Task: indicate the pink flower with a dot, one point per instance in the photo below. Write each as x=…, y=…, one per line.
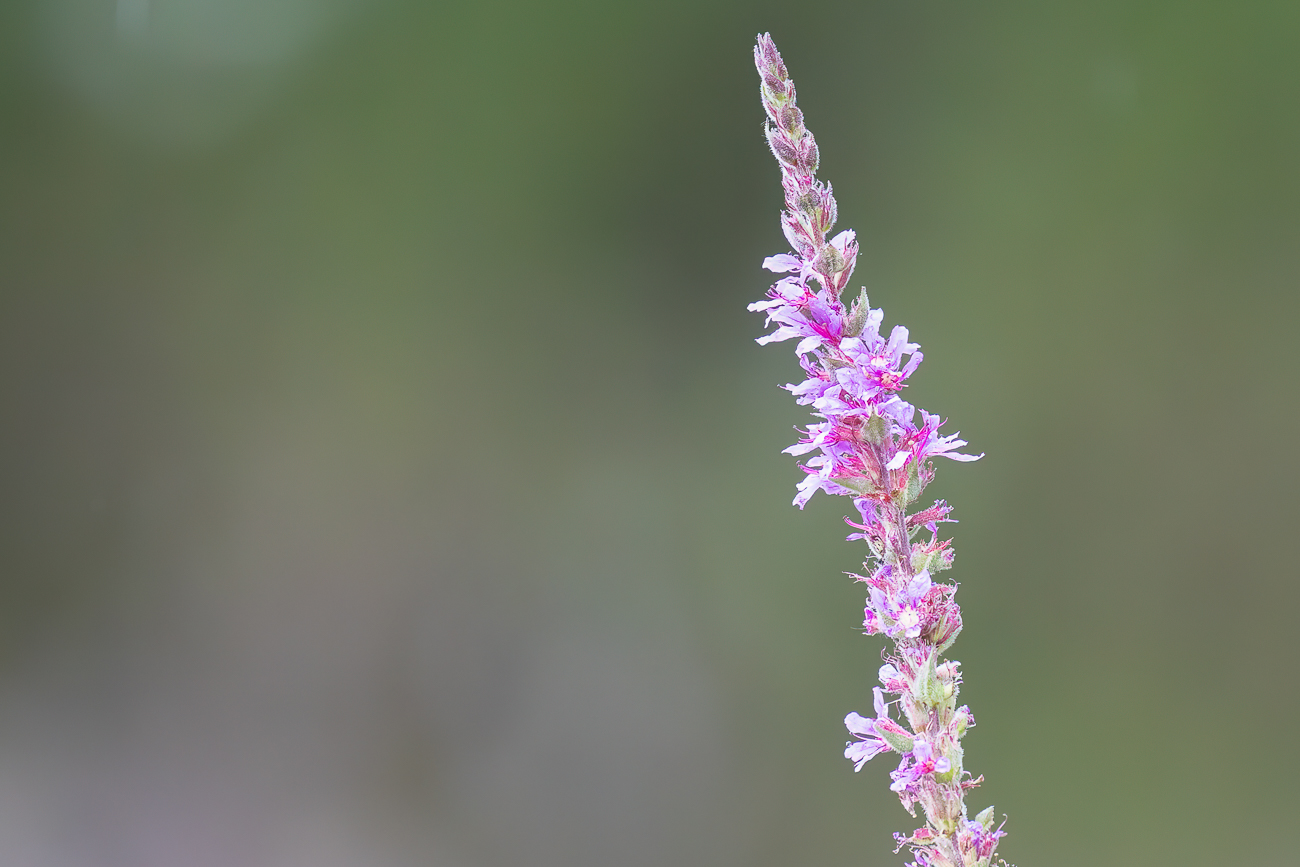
x=869, y=743
x=917, y=764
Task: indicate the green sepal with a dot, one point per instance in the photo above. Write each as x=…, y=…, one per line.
x=857, y=318
x=936, y=695
x=858, y=486
x=962, y=721
x=951, y=638
x=986, y=817
x=913, y=489
x=900, y=743
x=876, y=430
x=953, y=772
x=927, y=689
x=931, y=561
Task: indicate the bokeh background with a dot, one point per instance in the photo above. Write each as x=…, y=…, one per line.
x=389, y=476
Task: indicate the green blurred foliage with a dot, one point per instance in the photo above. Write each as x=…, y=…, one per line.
x=363, y=363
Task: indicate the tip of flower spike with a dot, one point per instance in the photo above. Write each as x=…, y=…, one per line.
x=765, y=50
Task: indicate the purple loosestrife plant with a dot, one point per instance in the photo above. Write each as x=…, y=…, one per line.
x=870, y=446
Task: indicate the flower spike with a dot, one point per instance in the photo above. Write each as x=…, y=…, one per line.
x=866, y=443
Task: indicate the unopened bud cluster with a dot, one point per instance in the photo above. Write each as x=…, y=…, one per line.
x=870, y=446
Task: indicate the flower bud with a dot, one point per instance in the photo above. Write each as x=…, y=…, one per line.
x=794, y=233
x=829, y=262
x=765, y=54
x=810, y=157
x=790, y=118
x=782, y=148
x=829, y=210
x=946, y=631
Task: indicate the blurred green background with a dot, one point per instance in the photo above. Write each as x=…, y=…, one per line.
x=389, y=475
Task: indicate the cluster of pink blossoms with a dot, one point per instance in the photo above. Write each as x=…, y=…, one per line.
x=869, y=446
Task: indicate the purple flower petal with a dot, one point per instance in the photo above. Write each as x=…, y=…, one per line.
x=782, y=263
x=878, y=700
x=861, y=752
x=808, y=344
x=857, y=724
